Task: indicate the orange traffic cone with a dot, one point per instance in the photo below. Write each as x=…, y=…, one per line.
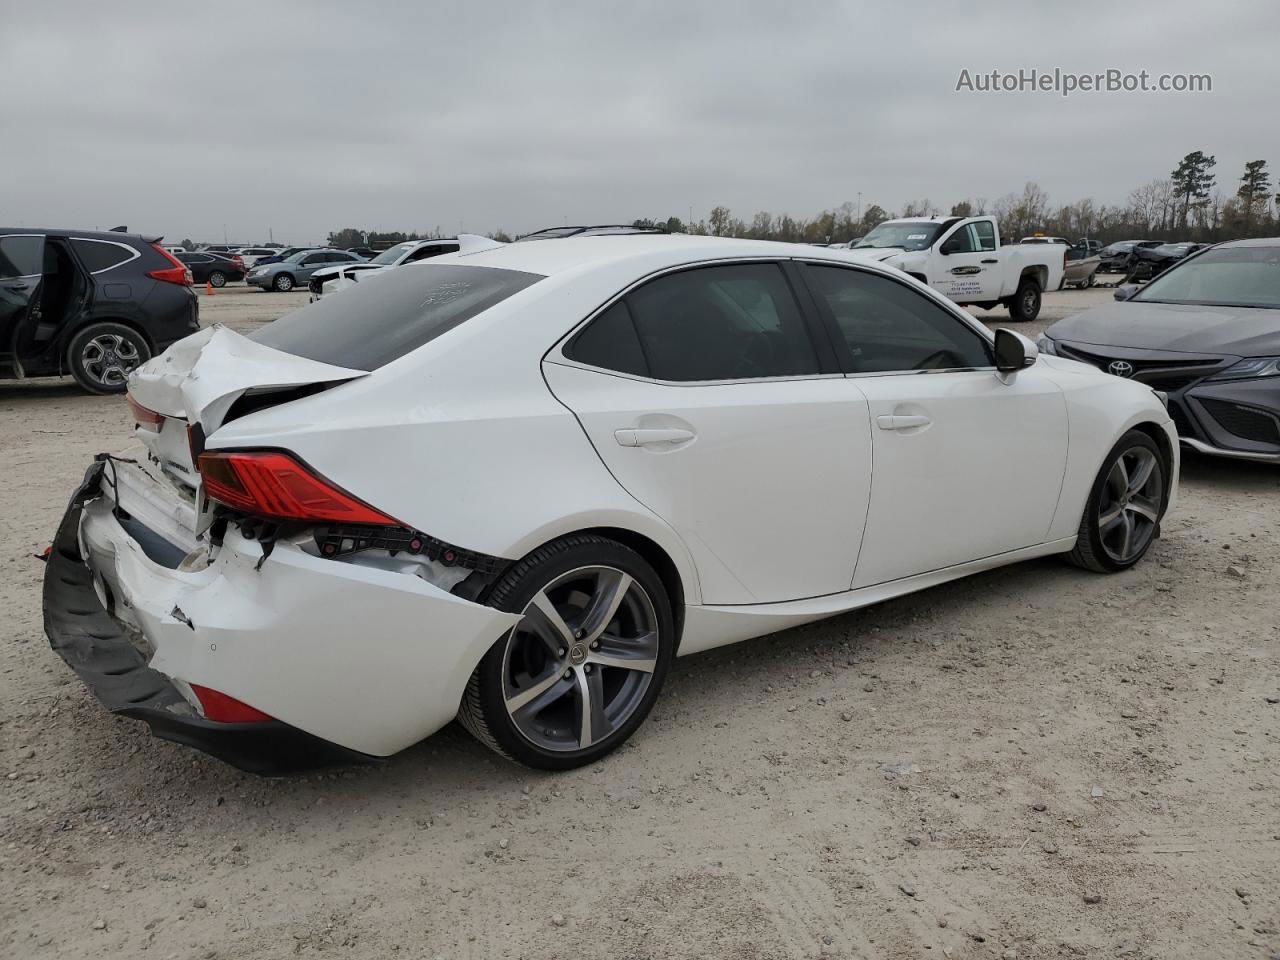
x=208, y=288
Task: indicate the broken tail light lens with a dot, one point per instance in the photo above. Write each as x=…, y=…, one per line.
x=274, y=485
x=221, y=708
x=142, y=416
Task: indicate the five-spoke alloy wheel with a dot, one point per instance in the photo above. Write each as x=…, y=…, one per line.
x=581, y=669
x=1122, y=516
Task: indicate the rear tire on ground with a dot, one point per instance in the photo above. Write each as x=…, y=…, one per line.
x=102, y=355
x=1122, y=515
x=1025, y=305
x=218, y=278
x=580, y=672
x=283, y=282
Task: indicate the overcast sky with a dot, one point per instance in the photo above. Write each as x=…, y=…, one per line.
x=304, y=117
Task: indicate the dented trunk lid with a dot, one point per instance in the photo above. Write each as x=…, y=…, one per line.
x=195, y=384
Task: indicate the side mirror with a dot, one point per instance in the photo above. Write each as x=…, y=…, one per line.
x=1126, y=291
x=1014, y=351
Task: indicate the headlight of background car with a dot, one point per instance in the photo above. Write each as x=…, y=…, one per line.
x=1250, y=368
x=1045, y=346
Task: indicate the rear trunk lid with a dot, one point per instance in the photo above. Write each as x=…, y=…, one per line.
x=198, y=379
x=194, y=385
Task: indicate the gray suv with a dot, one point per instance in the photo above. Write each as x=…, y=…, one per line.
x=297, y=269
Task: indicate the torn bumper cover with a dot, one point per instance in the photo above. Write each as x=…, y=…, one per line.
x=352, y=662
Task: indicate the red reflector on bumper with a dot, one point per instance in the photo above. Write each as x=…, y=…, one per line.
x=223, y=709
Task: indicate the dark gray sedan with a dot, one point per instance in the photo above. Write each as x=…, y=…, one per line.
x=1207, y=333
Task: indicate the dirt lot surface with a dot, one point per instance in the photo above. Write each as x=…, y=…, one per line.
x=1036, y=762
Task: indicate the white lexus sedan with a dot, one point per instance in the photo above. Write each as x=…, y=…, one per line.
x=512, y=486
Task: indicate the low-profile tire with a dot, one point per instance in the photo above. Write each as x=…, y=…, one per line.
x=282, y=282
x=1122, y=515
x=218, y=278
x=596, y=640
x=1025, y=305
x=102, y=355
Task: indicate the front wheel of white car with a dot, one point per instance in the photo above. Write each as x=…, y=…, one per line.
x=1122, y=515
x=581, y=670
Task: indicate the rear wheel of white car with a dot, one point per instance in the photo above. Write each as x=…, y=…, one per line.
x=218, y=278
x=1122, y=516
x=283, y=282
x=580, y=672
x=1025, y=305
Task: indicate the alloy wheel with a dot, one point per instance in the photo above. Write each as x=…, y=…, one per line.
x=108, y=358
x=1129, y=507
x=579, y=663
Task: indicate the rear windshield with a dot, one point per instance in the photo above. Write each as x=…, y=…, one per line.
x=387, y=316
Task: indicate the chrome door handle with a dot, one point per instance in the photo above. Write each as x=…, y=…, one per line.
x=641, y=436
x=901, y=422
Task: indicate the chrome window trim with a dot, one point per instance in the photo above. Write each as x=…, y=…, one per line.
x=134, y=253
x=26, y=276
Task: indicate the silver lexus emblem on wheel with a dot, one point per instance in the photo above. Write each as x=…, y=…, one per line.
x=1120, y=368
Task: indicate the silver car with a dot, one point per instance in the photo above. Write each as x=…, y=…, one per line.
x=297, y=269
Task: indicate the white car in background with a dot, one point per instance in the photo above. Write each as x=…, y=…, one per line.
x=962, y=258
x=333, y=279
x=513, y=485
x=251, y=255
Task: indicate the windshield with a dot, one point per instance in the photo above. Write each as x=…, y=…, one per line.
x=909, y=236
x=1227, y=276
x=1124, y=247
x=374, y=323
x=392, y=254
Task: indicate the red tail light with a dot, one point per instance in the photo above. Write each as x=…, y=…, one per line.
x=275, y=485
x=220, y=708
x=142, y=416
x=179, y=273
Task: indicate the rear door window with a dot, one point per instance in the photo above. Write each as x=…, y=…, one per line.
x=732, y=322
x=374, y=323
x=101, y=255
x=21, y=256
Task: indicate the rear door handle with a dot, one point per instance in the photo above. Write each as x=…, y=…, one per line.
x=991, y=261
x=901, y=422
x=642, y=436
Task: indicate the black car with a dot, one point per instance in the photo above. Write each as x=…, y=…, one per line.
x=1147, y=262
x=215, y=268
x=92, y=305
x=1115, y=256
x=1206, y=333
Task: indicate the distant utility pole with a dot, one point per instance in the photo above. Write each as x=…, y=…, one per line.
x=224, y=233
x=859, y=206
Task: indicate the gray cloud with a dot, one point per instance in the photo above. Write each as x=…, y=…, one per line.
x=302, y=117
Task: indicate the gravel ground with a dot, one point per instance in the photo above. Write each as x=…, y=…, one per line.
x=1035, y=762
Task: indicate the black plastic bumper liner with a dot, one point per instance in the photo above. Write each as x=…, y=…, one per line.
x=100, y=650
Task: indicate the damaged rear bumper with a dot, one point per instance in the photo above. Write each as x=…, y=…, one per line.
x=353, y=662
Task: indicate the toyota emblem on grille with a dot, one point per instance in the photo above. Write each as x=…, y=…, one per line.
x=1120, y=368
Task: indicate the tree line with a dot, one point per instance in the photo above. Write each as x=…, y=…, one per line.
x=1185, y=205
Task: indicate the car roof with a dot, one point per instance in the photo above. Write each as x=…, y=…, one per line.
x=86, y=234
x=552, y=256
x=1255, y=242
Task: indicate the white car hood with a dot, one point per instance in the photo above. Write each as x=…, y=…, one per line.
x=201, y=376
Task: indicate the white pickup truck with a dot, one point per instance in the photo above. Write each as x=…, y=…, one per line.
x=961, y=258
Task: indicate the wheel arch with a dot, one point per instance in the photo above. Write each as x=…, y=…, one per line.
x=673, y=575
x=1161, y=438
x=71, y=332
x=1037, y=272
